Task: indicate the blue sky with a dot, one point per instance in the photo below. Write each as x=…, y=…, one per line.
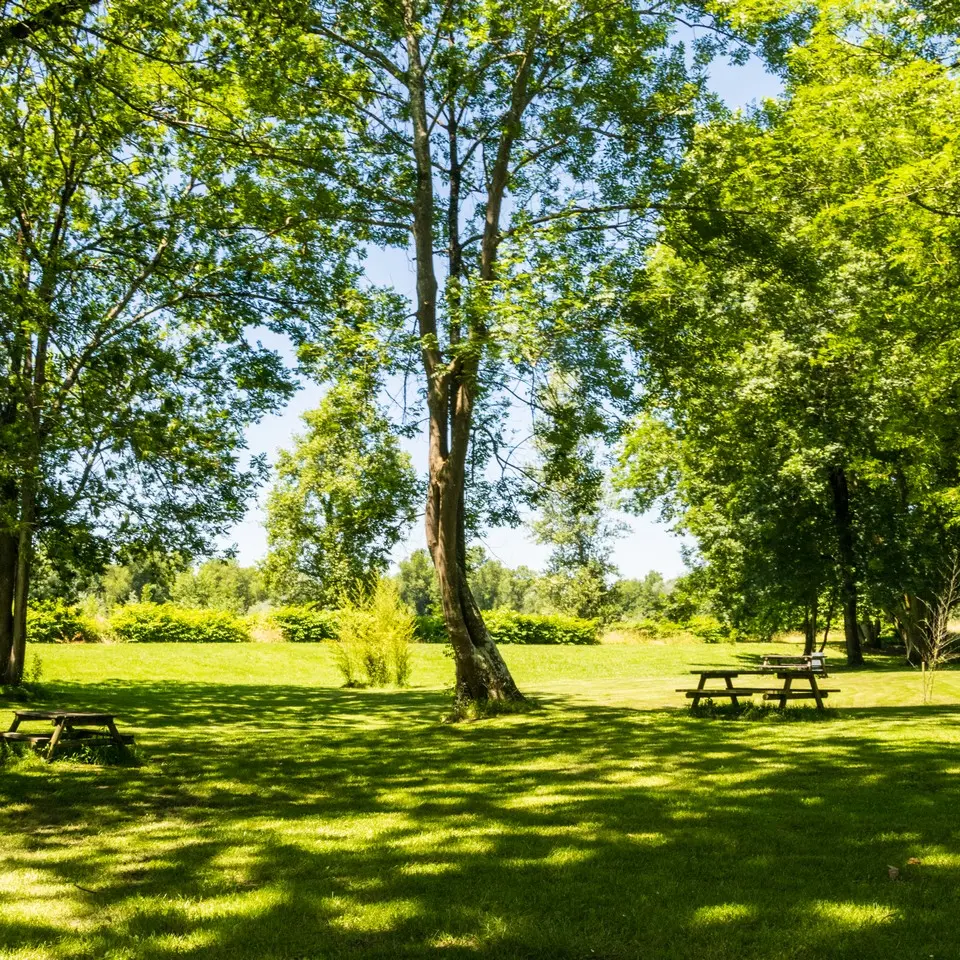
x=647, y=544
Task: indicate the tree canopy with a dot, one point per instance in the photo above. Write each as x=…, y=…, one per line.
x=137, y=264
x=344, y=496
x=799, y=338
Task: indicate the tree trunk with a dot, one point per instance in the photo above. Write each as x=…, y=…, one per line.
x=12, y=666
x=8, y=581
x=831, y=609
x=912, y=617
x=482, y=674
x=870, y=633
x=810, y=627
x=848, y=565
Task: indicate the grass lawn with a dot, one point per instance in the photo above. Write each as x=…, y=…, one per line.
x=276, y=815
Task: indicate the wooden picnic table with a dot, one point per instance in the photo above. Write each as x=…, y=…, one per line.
x=69, y=727
x=786, y=669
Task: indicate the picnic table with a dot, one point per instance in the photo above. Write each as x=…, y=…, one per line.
x=70, y=727
x=785, y=668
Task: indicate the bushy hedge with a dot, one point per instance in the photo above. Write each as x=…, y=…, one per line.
x=304, y=624
x=507, y=626
x=166, y=623
x=650, y=629
x=702, y=626
x=709, y=629
x=58, y=622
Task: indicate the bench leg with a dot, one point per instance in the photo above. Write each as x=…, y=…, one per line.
x=117, y=739
x=733, y=700
x=786, y=689
x=55, y=739
x=816, y=692
x=14, y=725
x=700, y=686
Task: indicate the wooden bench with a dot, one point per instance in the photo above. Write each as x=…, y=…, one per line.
x=804, y=663
x=702, y=691
x=807, y=667
x=70, y=727
x=786, y=669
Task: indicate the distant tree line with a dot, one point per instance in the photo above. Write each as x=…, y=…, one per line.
x=223, y=584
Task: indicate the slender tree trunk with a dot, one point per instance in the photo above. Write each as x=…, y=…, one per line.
x=8, y=581
x=831, y=609
x=848, y=565
x=12, y=672
x=482, y=673
x=810, y=627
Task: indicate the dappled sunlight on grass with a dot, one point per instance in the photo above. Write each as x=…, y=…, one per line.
x=722, y=913
x=299, y=820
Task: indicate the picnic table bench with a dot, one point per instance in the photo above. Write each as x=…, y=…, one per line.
x=785, y=668
x=70, y=727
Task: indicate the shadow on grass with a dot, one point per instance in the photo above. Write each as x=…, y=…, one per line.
x=294, y=822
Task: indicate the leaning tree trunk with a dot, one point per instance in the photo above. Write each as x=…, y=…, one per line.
x=848, y=565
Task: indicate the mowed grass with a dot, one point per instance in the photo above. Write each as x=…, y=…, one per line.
x=276, y=815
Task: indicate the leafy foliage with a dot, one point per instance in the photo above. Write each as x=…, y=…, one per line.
x=343, y=498
x=139, y=263
x=59, y=622
x=166, y=623
x=417, y=582
x=374, y=633
x=305, y=624
x=219, y=585
x=507, y=626
x=798, y=331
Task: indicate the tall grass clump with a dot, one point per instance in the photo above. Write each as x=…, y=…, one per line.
x=375, y=630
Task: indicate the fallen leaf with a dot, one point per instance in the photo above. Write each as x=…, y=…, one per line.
x=914, y=861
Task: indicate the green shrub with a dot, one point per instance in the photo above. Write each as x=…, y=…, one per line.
x=430, y=628
x=166, y=623
x=305, y=625
x=58, y=622
x=374, y=634
x=508, y=626
x=708, y=628
x=651, y=629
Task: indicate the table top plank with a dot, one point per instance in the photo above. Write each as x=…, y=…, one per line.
x=83, y=715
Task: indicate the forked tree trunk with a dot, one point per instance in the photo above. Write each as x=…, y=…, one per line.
x=848, y=565
x=452, y=382
x=481, y=672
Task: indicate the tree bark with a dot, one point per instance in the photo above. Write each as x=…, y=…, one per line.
x=848, y=565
